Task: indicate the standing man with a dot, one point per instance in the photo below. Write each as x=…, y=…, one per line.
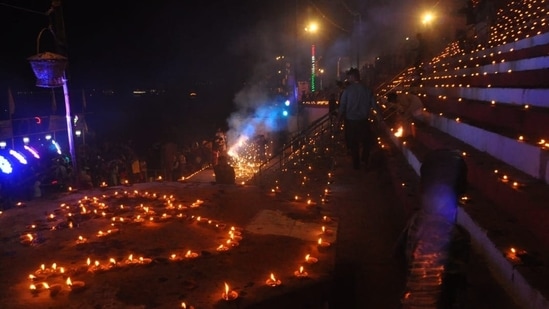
x=356, y=103
x=219, y=146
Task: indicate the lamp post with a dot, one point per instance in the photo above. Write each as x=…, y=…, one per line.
x=321, y=74
x=313, y=28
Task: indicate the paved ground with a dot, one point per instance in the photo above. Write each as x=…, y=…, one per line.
x=373, y=208
x=366, y=211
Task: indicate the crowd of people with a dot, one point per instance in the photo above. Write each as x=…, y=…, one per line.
x=109, y=164
x=119, y=164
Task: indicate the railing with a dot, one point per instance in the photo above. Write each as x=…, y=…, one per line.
x=316, y=134
x=382, y=85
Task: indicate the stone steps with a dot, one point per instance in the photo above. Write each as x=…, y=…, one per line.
x=496, y=216
x=491, y=104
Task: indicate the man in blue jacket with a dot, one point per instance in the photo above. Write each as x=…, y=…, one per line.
x=354, y=108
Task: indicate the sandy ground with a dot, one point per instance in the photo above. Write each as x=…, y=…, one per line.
x=160, y=222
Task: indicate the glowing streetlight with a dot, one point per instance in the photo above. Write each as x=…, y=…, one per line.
x=312, y=27
x=427, y=18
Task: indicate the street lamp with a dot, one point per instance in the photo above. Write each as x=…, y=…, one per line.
x=321, y=73
x=427, y=18
x=313, y=28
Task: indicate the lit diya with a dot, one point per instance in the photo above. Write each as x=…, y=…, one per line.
x=81, y=240
x=191, y=255
x=131, y=260
x=232, y=243
x=184, y=306
x=323, y=244
x=201, y=219
x=165, y=216
x=326, y=231
x=310, y=259
x=514, y=255
x=175, y=257
x=56, y=270
x=229, y=294
x=75, y=286
x=108, y=232
x=27, y=239
x=234, y=237
x=112, y=263
x=235, y=231
x=42, y=270
x=31, y=227
x=36, y=288
x=301, y=273
x=34, y=278
x=272, y=281
x=221, y=248
x=144, y=261
x=95, y=267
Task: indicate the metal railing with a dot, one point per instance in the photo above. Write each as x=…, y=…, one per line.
x=317, y=134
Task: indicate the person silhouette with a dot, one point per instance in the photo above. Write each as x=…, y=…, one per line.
x=224, y=173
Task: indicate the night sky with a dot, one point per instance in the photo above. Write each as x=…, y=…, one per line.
x=139, y=44
x=177, y=45
x=174, y=42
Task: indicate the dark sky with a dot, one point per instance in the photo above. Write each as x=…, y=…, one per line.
x=176, y=44
x=175, y=41
x=168, y=41
x=147, y=42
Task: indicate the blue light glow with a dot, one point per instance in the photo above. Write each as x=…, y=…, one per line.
x=5, y=166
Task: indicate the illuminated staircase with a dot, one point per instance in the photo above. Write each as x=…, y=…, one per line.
x=491, y=102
